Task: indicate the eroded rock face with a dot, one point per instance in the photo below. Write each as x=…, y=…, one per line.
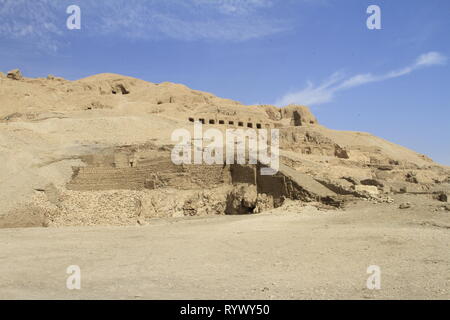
x=298, y=115
x=292, y=115
x=264, y=202
x=116, y=207
x=272, y=112
x=119, y=88
x=340, y=152
x=15, y=74
x=204, y=204
x=242, y=200
x=311, y=143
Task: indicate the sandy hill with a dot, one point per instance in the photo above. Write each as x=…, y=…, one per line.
x=49, y=126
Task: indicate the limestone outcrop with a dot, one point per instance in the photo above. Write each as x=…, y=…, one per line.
x=298, y=115
x=15, y=74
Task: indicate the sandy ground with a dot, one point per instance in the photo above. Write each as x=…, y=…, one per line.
x=286, y=254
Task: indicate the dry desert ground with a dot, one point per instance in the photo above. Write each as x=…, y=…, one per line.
x=289, y=253
x=87, y=179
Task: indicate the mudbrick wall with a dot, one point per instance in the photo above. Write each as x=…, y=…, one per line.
x=160, y=173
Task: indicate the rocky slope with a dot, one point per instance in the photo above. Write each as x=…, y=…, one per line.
x=50, y=125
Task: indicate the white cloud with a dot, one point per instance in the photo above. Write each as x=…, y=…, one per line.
x=236, y=6
x=42, y=22
x=431, y=58
x=325, y=92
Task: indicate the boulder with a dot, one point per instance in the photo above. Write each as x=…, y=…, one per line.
x=15, y=74
x=441, y=197
x=405, y=205
x=371, y=190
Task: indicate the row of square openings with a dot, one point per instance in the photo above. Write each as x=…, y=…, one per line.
x=231, y=123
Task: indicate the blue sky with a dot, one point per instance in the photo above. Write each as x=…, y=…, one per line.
x=393, y=82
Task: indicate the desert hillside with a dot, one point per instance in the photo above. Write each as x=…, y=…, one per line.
x=97, y=151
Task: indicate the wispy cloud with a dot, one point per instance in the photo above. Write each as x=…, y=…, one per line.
x=188, y=20
x=42, y=22
x=325, y=92
x=236, y=6
x=29, y=21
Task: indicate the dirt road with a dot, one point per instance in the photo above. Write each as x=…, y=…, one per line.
x=290, y=254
